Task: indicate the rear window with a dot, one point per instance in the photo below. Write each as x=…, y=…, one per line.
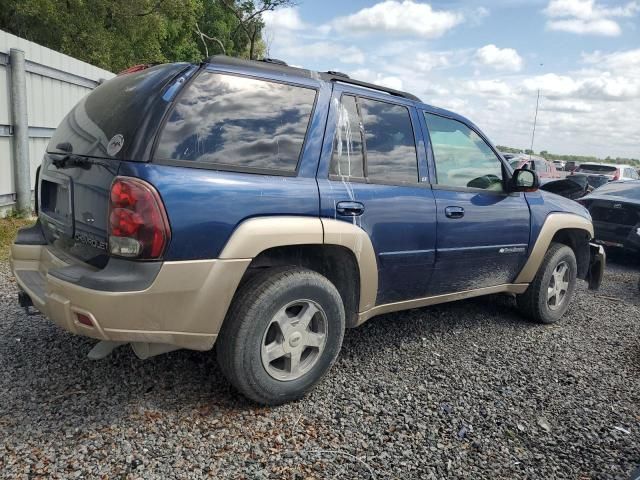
x=238, y=123
x=389, y=141
x=630, y=190
x=114, y=109
x=606, y=169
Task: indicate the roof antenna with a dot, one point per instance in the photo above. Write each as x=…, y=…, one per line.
x=535, y=119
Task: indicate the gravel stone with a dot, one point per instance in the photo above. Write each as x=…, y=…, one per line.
x=451, y=391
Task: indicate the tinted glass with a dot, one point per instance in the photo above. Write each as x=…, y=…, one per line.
x=117, y=107
x=347, y=157
x=629, y=190
x=389, y=141
x=591, y=168
x=462, y=158
x=237, y=121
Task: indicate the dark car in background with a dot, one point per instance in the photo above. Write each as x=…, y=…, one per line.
x=615, y=210
x=570, y=166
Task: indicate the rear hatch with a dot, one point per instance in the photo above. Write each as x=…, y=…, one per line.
x=608, y=171
x=108, y=126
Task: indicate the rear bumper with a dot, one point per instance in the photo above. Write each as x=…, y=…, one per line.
x=597, y=263
x=183, y=304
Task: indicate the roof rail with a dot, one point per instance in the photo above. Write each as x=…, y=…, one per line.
x=340, y=78
x=331, y=76
x=338, y=74
x=274, y=60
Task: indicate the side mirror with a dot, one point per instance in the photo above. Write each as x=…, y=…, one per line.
x=524, y=180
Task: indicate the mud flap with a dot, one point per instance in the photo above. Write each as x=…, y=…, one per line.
x=596, y=266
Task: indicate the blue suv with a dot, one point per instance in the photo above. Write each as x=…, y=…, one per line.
x=264, y=209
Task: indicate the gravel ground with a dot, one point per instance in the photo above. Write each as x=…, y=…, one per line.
x=465, y=390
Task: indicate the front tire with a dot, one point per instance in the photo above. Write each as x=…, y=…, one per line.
x=549, y=295
x=283, y=332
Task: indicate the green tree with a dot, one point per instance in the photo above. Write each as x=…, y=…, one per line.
x=115, y=34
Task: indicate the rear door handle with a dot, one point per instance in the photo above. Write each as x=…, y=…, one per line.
x=454, y=212
x=350, y=209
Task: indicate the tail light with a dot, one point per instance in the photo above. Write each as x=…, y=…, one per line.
x=138, y=225
x=616, y=176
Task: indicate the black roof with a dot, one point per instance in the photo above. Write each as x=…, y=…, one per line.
x=278, y=66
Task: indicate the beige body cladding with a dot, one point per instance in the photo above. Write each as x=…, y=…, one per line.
x=187, y=302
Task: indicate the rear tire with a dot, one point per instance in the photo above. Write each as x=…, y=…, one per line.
x=549, y=295
x=283, y=332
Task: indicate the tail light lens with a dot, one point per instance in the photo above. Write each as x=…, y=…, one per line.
x=138, y=225
x=616, y=176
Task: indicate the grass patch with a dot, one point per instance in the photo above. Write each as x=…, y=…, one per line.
x=8, y=228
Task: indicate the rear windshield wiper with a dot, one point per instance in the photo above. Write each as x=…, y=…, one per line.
x=71, y=160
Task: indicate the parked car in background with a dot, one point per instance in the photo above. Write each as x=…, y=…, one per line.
x=545, y=169
x=265, y=208
x=570, y=166
x=615, y=210
x=559, y=164
x=610, y=171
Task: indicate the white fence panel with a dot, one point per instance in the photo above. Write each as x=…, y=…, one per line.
x=55, y=83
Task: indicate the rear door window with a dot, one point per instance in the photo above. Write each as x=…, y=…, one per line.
x=348, y=154
x=389, y=142
x=385, y=130
x=238, y=123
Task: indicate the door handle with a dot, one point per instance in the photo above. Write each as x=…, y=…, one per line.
x=350, y=209
x=454, y=212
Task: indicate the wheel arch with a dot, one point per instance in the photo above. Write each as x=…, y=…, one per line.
x=570, y=229
x=339, y=250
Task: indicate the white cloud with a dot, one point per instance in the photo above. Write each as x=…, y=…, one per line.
x=624, y=62
x=587, y=16
x=490, y=87
x=566, y=106
x=499, y=58
x=283, y=18
x=321, y=50
x=605, y=86
x=585, y=110
x=370, y=76
x=407, y=18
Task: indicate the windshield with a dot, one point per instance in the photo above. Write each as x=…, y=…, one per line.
x=630, y=190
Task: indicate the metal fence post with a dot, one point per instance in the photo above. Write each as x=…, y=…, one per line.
x=20, y=131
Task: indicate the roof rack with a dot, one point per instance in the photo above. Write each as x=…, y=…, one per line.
x=275, y=61
x=341, y=78
x=274, y=64
x=338, y=74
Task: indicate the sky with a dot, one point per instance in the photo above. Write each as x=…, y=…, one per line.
x=487, y=60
